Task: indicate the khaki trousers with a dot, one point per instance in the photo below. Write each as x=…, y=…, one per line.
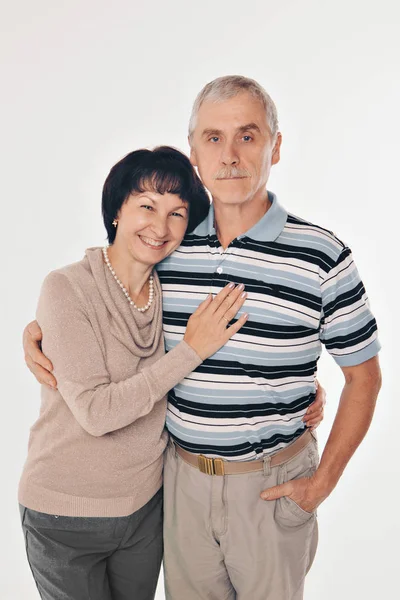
x=222, y=542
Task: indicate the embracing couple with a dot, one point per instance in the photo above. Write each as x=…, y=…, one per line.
x=185, y=353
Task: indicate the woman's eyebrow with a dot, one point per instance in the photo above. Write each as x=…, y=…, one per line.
x=144, y=195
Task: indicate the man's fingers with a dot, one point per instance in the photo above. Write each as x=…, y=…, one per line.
x=34, y=331
x=31, y=339
x=277, y=491
x=41, y=374
x=37, y=356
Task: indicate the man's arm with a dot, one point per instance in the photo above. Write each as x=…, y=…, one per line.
x=352, y=421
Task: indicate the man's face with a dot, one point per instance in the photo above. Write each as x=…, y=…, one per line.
x=233, y=149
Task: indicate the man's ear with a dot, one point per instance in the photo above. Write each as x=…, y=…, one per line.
x=192, y=155
x=276, y=152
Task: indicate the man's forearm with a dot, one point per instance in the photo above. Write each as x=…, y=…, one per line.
x=353, y=418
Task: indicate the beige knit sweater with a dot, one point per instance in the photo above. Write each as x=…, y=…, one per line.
x=97, y=446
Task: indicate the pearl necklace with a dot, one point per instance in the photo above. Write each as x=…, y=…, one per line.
x=126, y=293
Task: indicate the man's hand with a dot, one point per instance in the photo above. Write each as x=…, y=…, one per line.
x=304, y=491
x=37, y=362
x=315, y=412
x=354, y=415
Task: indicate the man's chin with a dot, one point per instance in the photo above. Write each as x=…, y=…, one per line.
x=231, y=199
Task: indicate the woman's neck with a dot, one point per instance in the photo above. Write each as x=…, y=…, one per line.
x=132, y=274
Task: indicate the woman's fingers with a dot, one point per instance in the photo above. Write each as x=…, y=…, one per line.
x=313, y=423
x=232, y=329
x=222, y=298
x=225, y=309
x=203, y=305
x=316, y=409
x=233, y=310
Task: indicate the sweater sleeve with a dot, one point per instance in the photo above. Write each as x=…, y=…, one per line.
x=69, y=340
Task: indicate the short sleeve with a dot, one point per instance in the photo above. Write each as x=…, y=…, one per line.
x=348, y=327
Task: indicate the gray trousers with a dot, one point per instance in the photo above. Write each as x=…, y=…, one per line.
x=95, y=558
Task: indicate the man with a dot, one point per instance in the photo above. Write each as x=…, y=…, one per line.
x=245, y=526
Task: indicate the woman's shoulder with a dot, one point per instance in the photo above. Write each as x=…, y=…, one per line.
x=70, y=279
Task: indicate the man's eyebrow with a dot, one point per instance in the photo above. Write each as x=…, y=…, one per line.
x=248, y=127
x=207, y=132
x=241, y=129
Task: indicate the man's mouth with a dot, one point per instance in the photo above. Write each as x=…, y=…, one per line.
x=156, y=244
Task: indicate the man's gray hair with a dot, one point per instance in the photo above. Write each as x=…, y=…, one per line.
x=224, y=88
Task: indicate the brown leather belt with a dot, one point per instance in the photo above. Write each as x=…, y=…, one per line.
x=218, y=466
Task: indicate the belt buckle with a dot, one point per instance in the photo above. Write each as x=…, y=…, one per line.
x=211, y=466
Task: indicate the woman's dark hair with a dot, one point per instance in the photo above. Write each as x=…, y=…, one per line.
x=164, y=170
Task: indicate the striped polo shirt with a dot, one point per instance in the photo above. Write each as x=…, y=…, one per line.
x=304, y=291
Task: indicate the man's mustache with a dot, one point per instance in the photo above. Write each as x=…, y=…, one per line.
x=231, y=173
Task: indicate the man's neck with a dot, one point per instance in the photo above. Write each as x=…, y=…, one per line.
x=232, y=220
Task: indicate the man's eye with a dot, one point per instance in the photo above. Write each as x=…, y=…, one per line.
x=247, y=138
x=214, y=139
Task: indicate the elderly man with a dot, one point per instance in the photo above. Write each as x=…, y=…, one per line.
x=242, y=475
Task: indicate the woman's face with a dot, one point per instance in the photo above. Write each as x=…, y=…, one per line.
x=151, y=226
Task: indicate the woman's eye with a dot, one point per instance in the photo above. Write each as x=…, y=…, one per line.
x=146, y=206
x=176, y=214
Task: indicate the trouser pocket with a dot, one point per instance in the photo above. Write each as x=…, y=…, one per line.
x=287, y=512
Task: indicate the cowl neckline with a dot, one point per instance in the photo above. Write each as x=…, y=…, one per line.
x=139, y=332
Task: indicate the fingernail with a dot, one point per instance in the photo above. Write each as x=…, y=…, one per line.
x=246, y=316
x=265, y=495
x=244, y=295
x=241, y=286
x=231, y=285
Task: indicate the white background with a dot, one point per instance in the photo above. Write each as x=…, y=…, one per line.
x=84, y=82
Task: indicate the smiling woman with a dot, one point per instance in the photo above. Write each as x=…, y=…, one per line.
x=161, y=171
x=150, y=199
x=90, y=493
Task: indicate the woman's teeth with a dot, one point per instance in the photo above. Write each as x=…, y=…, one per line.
x=151, y=242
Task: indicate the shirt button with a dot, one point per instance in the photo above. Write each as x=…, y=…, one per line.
x=219, y=270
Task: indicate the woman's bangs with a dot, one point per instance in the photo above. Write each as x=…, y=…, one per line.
x=161, y=181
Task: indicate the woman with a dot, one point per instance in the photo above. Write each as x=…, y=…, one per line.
x=90, y=493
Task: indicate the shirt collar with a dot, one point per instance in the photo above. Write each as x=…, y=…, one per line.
x=267, y=229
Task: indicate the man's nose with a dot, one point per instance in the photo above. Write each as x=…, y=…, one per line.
x=229, y=154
